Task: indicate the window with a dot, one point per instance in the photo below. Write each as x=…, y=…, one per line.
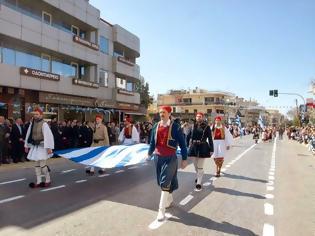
x=82, y=34
x=104, y=45
x=75, y=30
x=209, y=111
x=46, y=63
x=121, y=83
x=186, y=111
x=195, y=111
x=46, y=17
x=8, y=56
x=129, y=86
x=75, y=68
x=103, y=77
x=82, y=71
x=187, y=100
x=27, y=60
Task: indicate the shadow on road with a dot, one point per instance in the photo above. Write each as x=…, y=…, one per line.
x=192, y=219
x=226, y=175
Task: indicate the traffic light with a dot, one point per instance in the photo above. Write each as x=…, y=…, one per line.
x=270, y=92
x=275, y=93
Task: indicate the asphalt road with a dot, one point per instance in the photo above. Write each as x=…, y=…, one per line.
x=267, y=189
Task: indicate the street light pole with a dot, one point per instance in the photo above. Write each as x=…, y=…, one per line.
x=299, y=95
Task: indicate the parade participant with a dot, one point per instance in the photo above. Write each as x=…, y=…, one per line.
x=222, y=140
x=256, y=134
x=200, y=146
x=129, y=134
x=40, y=140
x=166, y=136
x=100, y=138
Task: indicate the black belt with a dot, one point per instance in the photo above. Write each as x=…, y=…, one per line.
x=198, y=141
x=98, y=140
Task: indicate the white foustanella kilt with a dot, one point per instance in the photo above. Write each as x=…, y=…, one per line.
x=38, y=153
x=219, y=148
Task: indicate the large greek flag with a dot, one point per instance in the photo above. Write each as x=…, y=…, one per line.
x=107, y=157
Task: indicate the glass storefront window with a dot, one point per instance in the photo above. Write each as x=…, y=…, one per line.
x=8, y=56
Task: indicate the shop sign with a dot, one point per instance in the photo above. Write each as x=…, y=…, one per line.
x=104, y=103
x=39, y=74
x=85, y=83
x=128, y=106
x=65, y=99
x=86, y=43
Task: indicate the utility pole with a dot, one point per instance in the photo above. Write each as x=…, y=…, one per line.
x=297, y=112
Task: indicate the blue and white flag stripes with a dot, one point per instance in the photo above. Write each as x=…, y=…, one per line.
x=107, y=157
x=261, y=122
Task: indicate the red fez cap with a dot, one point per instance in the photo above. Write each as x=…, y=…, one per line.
x=128, y=118
x=218, y=118
x=40, y=111
x=166, y=108
x=99, y=116
x=200, y=114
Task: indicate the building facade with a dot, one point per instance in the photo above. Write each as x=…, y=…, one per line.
x=60, y=55
x=186, y=103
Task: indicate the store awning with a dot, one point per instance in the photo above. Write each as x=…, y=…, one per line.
x=134, y=113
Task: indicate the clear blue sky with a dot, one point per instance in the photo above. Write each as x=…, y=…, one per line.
x=243, y=46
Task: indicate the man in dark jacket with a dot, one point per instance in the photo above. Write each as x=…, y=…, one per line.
x=200, y=146
x=4, y=134
x=17, y=140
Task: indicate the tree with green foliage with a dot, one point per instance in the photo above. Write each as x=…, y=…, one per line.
x=142, y=88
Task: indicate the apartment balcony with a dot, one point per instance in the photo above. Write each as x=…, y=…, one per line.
x=30, y=28
x=123, y=67
x=79, y=9
x=126, y=39
x=125, y=96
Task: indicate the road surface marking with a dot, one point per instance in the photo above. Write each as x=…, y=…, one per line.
x=270, y=182
x=54, y=188
x=104, y=175
x=271, y=177
x=268, y=209
x=156, y=224
x=11, y=199
x=227, y=166
x=67, y=171
x=206, y=184
x=268, y=230
x=224, y=169
x=81, y=181
x=119, y=171
x=12, y=181
x=269, y=196
x=270, y=188
x=271, y=173
x=186, y=200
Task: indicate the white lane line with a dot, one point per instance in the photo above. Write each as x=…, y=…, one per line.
x=224, y=169
x=12, y=181
x=270, y=188
x=227, y=166
x=271, y=177
x=268, y=230
x=54, y=188
x=270, y=183
x=119, y=171
x=81, y=181
x=268, y=209
x=156, y=224
x=271, y=173
x=67, y=171
x=104, y=175
x=206, y=184
x=186, y=200
x=269, y=196
x=11, y=199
